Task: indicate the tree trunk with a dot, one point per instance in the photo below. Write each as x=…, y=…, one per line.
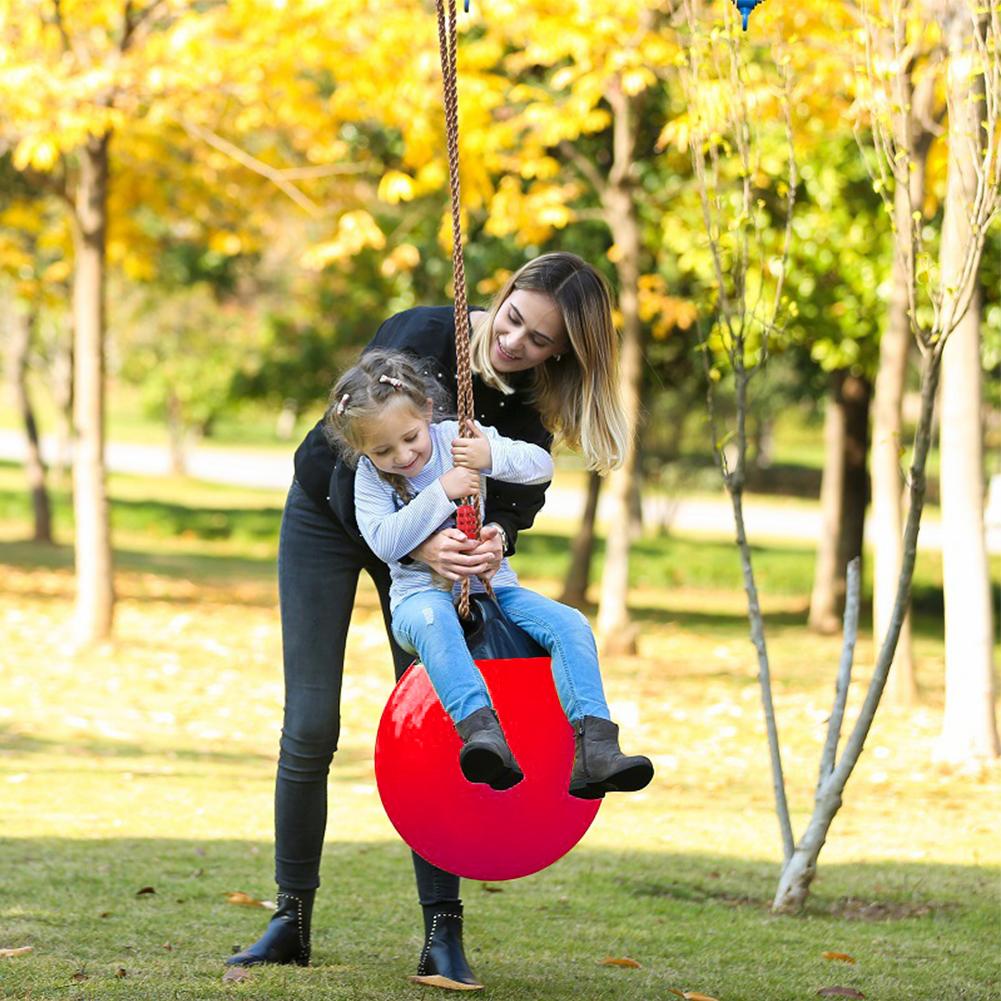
x=969, y=730
x=176, y=434
x=582, y=549
x=856, y=397
x=800, y=866
x=62, y=393
x=843, y=496
x=826, y=597
x=616, y=634
x=34, y=467
x=887, y=481
x=92, y=537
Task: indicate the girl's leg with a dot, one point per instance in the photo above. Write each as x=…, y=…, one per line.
x=567, y=635
x=428, y=624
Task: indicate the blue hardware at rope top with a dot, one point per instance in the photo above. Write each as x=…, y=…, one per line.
x=745, y=7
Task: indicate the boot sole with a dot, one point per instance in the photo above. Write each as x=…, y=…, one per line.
x=629, y=780
x=437, y=980
x=481, y=765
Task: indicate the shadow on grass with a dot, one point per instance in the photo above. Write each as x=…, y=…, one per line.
x=694, y=921
x=201, y=567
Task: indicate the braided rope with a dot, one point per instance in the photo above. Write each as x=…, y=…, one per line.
x=447, y=47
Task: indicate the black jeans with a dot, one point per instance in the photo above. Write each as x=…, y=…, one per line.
x=318, y=567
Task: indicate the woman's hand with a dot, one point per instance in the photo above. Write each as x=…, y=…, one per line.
x=460, y=482
x=472, y=452
x=491, y=548
x=451, y=554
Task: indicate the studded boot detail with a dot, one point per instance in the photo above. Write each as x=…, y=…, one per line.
x=443, y=960
x=286, y=939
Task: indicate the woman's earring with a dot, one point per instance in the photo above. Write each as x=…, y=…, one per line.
x=557, y=357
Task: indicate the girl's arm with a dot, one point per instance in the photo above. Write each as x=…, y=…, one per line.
x=392, y=533
x=500, y=458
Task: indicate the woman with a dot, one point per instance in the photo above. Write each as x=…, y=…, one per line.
x=545, y=363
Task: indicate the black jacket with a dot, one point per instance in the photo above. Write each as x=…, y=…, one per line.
x=428, y=333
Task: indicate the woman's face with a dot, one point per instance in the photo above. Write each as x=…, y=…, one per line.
x=528, y=329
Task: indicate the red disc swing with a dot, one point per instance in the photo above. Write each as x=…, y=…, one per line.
x=472, y=830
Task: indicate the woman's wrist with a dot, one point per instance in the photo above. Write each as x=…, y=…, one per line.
x=502, y=534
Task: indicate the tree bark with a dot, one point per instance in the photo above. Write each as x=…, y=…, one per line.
x=856, y=398
x=176, y=434
x=969, y=729
x=887, y=481
x=825, y=599
x=887, y=437
x=34, y=467
x=92, y=537
x=582, y=549
x=616, y=634
x=843, y=496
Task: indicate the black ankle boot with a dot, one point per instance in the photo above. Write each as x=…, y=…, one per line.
x=485, y=756
x=286, y=939
x=443, y=961
x=599, y=766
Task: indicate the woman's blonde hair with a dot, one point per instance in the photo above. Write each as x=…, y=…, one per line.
x=578, y=396
x=363, y=392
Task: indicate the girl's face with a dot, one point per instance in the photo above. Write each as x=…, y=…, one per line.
x=528, y=329
x=398, y=441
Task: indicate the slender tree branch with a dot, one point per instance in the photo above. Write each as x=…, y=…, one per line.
x=850, y=635
x=258, y=166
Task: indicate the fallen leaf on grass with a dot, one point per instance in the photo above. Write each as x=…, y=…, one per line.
x=235, y=975
x=246, y=900
x=691, y=995
x=121, y=972
x=145, y=890
x=620, y=961
x=841, y=956
x=839, y=992
x=80, y=976
x=487, y=888
x=7, y=953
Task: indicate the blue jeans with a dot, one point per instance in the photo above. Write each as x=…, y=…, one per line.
x=427, y=624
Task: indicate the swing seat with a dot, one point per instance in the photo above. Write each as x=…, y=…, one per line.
x=468, y=828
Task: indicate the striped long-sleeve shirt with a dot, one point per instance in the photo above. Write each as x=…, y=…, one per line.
x=392, y=529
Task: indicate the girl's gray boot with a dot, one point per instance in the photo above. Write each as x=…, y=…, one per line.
x=599, y=766
x=485, y=756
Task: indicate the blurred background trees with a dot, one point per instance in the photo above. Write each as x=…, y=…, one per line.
x=205, y=209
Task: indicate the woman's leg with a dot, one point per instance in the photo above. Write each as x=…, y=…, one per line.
x=318, y=566
x=427, y=624
x=567, y=635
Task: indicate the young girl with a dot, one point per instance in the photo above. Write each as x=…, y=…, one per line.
x=410, y=474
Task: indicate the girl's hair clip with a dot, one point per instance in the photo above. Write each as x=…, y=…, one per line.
x=395, y=383
x=342, y=404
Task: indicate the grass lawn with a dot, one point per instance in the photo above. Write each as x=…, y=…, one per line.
x=149, y=763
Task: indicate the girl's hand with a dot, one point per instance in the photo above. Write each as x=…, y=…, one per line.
x=454, y=556
x=472, y=452
x=460, y=482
